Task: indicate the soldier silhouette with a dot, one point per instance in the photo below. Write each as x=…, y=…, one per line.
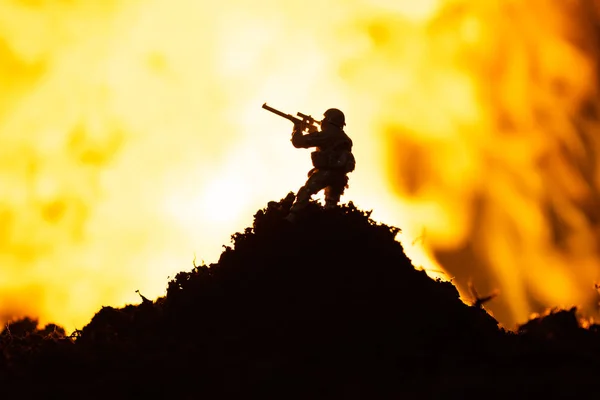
x=332, y=160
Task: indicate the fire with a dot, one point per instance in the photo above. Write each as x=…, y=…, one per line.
x=132, y=139
x=489, y=109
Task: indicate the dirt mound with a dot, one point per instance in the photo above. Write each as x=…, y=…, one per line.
x=327, y=307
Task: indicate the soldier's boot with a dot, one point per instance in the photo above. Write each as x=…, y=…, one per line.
x=332, y=198
x=330, y=204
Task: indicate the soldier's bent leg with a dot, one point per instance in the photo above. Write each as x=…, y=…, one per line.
x=314, y=184
x=302, y=199
x=335, y=189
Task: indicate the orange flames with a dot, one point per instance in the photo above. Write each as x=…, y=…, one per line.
x=132, y=139
x=490, y=109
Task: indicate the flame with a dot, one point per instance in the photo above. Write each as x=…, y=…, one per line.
x=132, y=139
x=490, y=109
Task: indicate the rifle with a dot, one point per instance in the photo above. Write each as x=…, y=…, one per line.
x=307, y=122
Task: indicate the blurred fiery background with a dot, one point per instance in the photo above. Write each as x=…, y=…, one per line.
x=132, y=139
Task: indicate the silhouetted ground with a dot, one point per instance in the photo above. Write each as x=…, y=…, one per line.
x=329, y=307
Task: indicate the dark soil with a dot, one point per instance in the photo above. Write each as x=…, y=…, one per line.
x=328, y=307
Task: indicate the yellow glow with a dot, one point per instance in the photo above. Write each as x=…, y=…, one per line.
x=413, y=10
x=132, y=139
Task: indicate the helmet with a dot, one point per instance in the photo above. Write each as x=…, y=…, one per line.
x=335, y=117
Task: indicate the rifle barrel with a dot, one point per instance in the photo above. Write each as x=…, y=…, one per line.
x=306, y=119
x=275, y=111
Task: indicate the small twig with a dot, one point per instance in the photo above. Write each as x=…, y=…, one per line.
x=480, y=301
x=144, y=299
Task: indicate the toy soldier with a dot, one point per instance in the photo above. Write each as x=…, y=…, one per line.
x=332, y=160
